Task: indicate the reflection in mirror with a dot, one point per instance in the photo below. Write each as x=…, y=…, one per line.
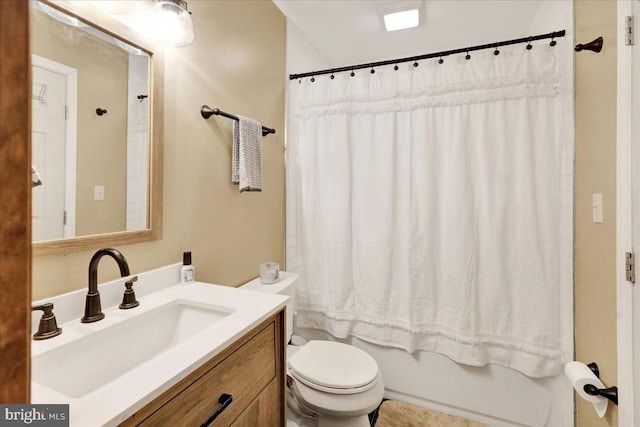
x=90, y=129
x=97, y=87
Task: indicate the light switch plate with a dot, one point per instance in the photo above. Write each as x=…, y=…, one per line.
x=98, y=192
x=596, y=206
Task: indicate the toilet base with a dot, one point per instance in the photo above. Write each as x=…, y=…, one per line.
x=330, y=421
x=301, y=416
x=296, y=420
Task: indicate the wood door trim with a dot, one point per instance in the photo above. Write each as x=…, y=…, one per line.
x=15, y=202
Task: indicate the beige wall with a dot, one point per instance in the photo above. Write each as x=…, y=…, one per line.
x=595, y=245
x=101, y=140
x=236, y=64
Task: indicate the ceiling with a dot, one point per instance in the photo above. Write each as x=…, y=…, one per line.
x=347, y=32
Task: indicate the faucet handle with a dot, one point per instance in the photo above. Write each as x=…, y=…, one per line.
x=48, y=327
x=47, y=307
x=129, y=297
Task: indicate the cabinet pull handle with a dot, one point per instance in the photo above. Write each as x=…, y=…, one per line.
x=224, y=400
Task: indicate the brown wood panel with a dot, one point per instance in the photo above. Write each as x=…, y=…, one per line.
x=263, y=411
x=281, y=361
x=15, y=202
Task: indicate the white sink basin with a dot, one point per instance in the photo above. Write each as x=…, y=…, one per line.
x=87, y=364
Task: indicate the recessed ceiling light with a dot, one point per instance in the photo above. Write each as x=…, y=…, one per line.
x=402, y=20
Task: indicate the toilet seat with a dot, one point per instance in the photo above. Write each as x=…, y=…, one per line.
x=333, y=367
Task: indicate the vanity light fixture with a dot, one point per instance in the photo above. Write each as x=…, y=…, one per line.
x=171, y=23
x=117, y=7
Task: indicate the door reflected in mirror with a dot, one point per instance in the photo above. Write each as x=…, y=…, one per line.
x=90, y=129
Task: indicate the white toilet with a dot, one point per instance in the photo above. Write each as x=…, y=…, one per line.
x=337, y=384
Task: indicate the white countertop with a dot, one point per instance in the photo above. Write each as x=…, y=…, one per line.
x=124, y=395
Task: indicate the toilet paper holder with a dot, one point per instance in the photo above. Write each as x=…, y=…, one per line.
x=610, y=393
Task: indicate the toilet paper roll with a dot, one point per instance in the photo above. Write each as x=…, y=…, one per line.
x=580, y=375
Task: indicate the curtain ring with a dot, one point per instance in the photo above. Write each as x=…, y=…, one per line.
x=300, y=81
x=496, y=52
x=332, y=76
x=395, y=67
x=415, y=64
x=529, y=47
x=467, y=56
x=313, y=79
x=553, y=42
x=352, y=73
x=373, y=71
x=441, y=61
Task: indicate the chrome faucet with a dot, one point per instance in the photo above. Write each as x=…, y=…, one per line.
x=92, y=308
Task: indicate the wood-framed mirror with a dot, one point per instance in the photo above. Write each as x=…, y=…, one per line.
x=97, y=130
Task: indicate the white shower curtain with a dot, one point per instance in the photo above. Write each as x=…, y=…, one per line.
x=430, y=208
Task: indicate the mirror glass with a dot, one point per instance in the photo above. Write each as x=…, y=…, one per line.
x=90, y=129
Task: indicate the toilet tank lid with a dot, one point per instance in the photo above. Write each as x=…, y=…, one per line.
x=334, y=365
x=285, y=280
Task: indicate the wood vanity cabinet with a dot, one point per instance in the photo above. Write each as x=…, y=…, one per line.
x=250, y=370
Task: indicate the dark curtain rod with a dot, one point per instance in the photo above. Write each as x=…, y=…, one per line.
x=207, y=112
x=555, y=34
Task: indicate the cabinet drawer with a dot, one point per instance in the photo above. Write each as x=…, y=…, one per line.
x=243, y=374
x=263, y=411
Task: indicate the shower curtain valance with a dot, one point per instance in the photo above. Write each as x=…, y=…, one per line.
x=431, y=208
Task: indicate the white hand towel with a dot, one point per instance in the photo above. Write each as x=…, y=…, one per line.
x=35, y=177
x=246, y=161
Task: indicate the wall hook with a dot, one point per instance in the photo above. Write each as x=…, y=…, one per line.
x=101, y=111
x=594, y=46
x=142, y=97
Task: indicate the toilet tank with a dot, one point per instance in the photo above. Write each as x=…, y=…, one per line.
x=286, y=285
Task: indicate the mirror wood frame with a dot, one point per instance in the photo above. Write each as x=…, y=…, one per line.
x=94, y=17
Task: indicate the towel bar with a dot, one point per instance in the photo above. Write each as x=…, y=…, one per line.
x=207, y=112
